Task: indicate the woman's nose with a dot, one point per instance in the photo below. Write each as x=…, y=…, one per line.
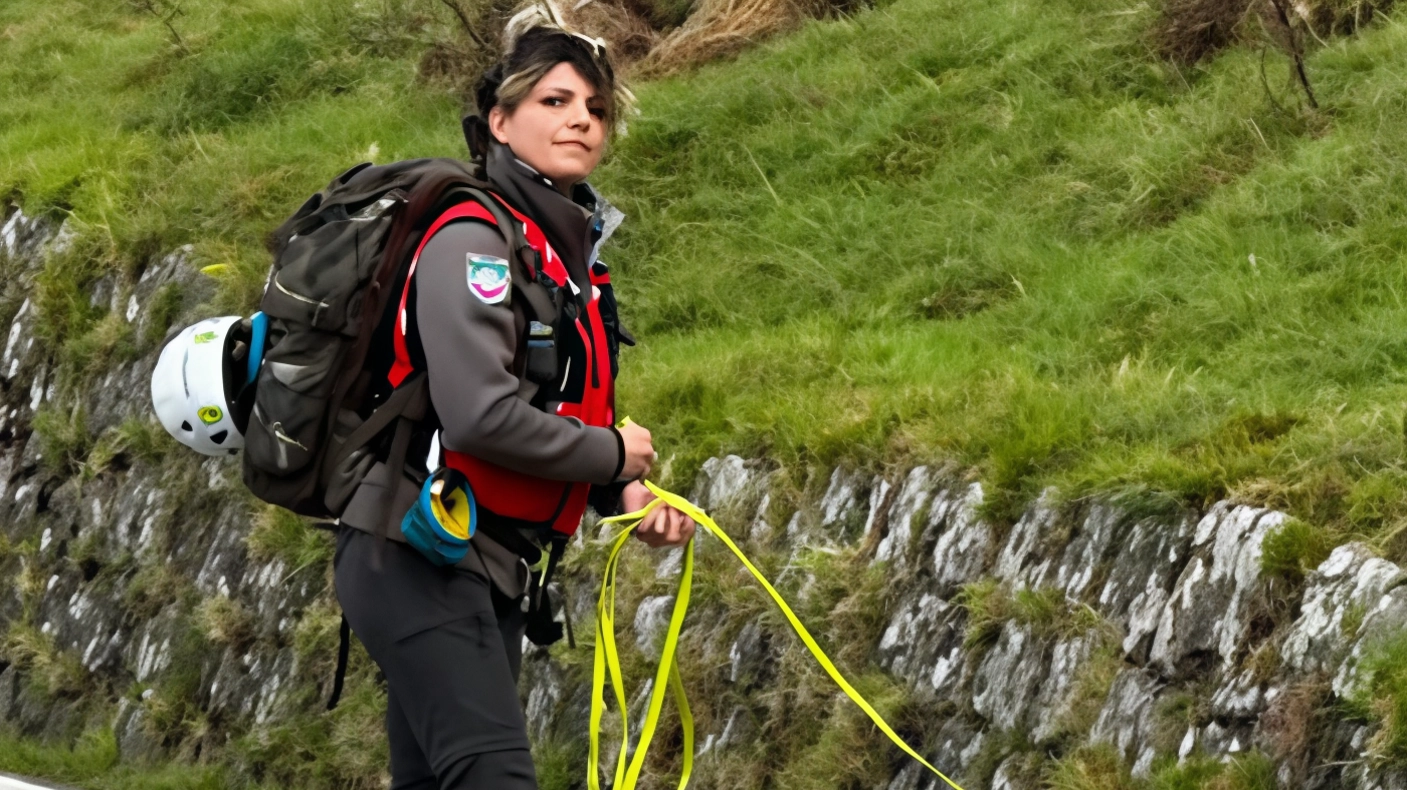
x=580, y=116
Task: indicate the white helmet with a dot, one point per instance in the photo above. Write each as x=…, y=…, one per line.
x=195, y=385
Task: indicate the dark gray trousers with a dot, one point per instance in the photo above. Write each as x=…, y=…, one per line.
x=450, y=646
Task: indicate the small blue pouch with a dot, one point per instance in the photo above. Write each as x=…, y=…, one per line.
x=442, y=520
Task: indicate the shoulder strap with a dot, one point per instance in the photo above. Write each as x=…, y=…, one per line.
x=524, y=265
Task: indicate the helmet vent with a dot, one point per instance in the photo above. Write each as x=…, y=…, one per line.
x=186, y=426
x=218, y=437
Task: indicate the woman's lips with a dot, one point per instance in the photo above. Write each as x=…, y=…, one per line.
x=579, y=144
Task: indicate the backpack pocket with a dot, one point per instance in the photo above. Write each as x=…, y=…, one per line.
x=290, y=404
x=321, y=275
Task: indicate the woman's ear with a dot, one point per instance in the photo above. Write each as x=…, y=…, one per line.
x=497, y=122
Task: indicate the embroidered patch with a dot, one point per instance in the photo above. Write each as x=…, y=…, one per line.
x=489, y=278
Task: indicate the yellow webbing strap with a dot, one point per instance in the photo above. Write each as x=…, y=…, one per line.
x=608, y=660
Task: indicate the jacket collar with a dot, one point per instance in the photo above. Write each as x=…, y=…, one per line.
x=572, y=225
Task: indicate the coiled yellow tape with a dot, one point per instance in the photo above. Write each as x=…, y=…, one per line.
x=607, y=658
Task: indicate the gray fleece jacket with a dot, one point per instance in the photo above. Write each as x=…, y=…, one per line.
x=474, y=364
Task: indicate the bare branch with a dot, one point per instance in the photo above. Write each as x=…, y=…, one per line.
x=1294, y=47
x=166, y=11
x=464, y=20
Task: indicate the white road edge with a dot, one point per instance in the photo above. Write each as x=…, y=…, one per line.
x=11, y=783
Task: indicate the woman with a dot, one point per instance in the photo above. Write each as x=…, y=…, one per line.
x=449, y=639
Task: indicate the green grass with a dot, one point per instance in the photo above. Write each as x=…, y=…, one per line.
x=1381, y=698
x=94, y=763
x=1090, y=768
x=1252, y=771
x=1087, y=217
x=1295, y=548
x=848, y=750
x=1004, y=234
x=1100, y=768
x=281, y=534
x=1013, y=238
x=991, y=605
x=48, y=669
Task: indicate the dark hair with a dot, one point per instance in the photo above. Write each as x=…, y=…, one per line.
x=532, y=54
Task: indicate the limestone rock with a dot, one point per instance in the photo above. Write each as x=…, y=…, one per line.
x=1009, y=679
x=923, y=643
x=963, y=541
x=1351, y=581
x=1208, y=612
x=1124, y=722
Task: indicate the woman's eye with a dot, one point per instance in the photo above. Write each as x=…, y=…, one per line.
x=553, y=101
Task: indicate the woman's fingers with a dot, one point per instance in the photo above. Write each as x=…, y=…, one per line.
x=649, y=527
x=665, y=526
x=650, y=530
x=671, y=527
x=682, y=528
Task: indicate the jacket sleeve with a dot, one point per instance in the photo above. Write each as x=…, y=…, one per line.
x=470, y=347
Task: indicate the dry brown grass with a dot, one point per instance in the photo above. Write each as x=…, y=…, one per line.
x=1189, y=31
x=625, y=29
x=648, y=38
x=719, y=28
x=1338, y=17
x=1295, y=720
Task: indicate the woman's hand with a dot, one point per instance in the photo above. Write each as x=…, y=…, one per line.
x=664, y=526
x=639, y=455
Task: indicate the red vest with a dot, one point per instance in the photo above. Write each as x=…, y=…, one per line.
x=504, y=491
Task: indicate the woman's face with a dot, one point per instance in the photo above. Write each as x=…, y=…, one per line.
x=559, y=129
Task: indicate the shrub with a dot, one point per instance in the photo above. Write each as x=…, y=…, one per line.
x=63, y=436
x=53, y=671
x=1190, y=31
x=1098, y=767
x=282, y=534
x=1295, y=548
x=1380, y=697
x=224, y=621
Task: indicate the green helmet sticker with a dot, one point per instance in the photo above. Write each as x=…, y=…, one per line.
x=210, y=414
x=205, y=337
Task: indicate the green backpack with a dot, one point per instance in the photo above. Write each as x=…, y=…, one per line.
x=316, y=419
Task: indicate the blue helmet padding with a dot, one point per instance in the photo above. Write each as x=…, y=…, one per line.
x=260, y=325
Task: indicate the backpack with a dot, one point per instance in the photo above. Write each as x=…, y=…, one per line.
x=315, y=418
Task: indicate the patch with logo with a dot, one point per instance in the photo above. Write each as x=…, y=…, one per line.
x=205, y=337
x=210, y=414
x=489, y=278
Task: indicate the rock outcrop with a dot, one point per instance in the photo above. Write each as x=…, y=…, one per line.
x=129, y=590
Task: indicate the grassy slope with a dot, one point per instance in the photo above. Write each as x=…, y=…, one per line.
x=1028, y=157
x=996, y=232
